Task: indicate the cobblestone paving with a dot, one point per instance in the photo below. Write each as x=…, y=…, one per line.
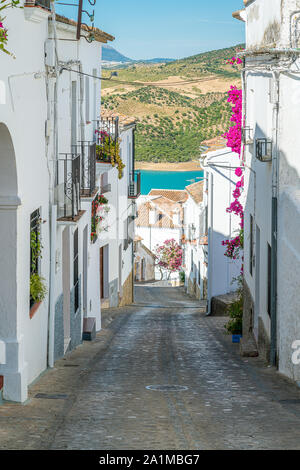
x=230, y=402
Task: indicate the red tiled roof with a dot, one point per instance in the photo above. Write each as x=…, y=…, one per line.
x=172, y=194
x=196, y=191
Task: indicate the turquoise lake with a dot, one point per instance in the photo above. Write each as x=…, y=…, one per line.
x=168, y=179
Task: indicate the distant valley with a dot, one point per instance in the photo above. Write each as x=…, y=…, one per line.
x=177, y=104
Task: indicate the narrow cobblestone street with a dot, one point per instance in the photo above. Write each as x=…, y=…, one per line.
x=102, y=401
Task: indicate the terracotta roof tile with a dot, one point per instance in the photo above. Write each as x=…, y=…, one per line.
x=172, y=194
x=100, y=35
x=196, y=191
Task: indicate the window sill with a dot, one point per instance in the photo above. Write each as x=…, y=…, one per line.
x=34, y=309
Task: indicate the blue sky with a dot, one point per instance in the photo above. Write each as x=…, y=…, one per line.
x=166, y=28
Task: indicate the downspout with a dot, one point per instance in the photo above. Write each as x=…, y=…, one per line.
x=210, y=239
x=273, y=356
x=53, y=213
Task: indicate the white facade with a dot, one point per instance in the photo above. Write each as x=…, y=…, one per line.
x=159, y=219
x=219, y=183
x=272, y=222
x=50, y=104
x=195, y=244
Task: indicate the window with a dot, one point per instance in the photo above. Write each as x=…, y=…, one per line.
x=251, y=246
x=269, y=278
x=76, y=273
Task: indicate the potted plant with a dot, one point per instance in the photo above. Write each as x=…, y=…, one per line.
x=235, y=324
x=38, y=292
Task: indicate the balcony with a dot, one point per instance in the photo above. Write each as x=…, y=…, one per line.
x=38, y=3
x=107, y=140
x=87, y=152
x=264, y=148
x=67, y=191
x=134, y=188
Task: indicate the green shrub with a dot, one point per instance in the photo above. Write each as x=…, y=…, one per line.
x=38, y=290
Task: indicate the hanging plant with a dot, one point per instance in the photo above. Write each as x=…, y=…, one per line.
x=108, y=150
x=99, y=203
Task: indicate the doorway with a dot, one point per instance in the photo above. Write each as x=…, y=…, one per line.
x=85, y=272
x=66, y=286
x=257, y=283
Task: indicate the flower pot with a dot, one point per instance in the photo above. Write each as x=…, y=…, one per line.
x=34, y=309
x=236, y=338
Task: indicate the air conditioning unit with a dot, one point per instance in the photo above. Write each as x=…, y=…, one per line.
x=264, y=149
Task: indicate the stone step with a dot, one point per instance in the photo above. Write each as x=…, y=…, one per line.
x=89, y=329
x=248, y=347
x=220, y=304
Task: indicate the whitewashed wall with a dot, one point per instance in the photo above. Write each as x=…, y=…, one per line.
x=221, y=181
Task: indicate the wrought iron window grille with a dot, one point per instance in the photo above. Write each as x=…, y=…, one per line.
x=67, y=191
x=264, y=148
x=247, y=135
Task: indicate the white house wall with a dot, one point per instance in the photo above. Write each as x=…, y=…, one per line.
x=221, y=182
x=24, y=116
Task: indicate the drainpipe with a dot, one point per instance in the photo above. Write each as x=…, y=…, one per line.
x=274, y=358
x=210, y=239
x=51, y=325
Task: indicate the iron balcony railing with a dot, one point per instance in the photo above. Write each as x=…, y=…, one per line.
x=134, y=188
x=40, y=3
x=87, y=151
x=67, y=191
x=107, y=139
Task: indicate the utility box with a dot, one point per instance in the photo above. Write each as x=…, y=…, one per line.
x=49, y=53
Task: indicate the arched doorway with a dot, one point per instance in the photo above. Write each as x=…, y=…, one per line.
x=11, y=362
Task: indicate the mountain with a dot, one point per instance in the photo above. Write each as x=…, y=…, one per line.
x=109, y=54
x=157, y=60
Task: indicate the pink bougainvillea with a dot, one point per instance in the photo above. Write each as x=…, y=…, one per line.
x=234, y=141
x=5, y=4
x=169, y=256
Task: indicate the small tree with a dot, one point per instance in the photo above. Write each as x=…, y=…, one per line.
x=169, y=257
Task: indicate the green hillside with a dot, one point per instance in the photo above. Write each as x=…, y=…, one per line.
x=176, y=115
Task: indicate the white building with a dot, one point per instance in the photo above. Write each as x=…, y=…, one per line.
x=160, y=218
x=116, y=242
x=195, y=242
x=219, y=166
x=49, y=185
x=144, y=262
x=272, y=168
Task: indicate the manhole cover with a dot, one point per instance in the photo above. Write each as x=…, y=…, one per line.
x=167, y=388
x=47, y=396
